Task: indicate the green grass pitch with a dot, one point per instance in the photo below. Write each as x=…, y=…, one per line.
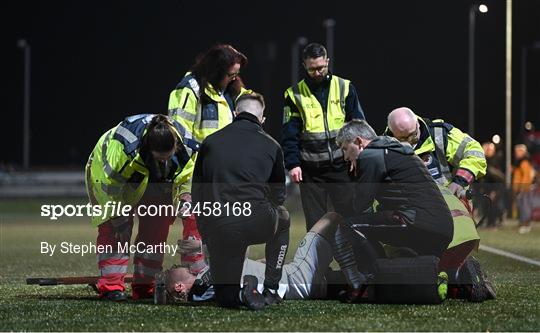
x=75, y=308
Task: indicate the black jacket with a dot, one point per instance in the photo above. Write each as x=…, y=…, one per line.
x=239, y=163
x=392, y=174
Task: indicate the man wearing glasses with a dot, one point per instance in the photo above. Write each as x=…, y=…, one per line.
x=453, y=158
x=315, y=109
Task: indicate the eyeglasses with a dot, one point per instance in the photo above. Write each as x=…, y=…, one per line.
x=410, y=137
x=316, y=69
x=232, y=75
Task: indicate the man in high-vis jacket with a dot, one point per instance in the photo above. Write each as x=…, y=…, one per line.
x=203, y=102
x=454, y=160
x=452, y=157
x=134, y=165
x=315, y=109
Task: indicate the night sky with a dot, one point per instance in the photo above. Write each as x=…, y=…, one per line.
x=96, y=62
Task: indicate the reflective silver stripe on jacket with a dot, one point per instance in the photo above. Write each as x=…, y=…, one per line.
x=319, y=157
x=184, y=133
x=150, y=256
x=183, y=114
x=114, y=269
x=188, y=135
x=147, y=271
x=195, y=87
x=210, y=124
x=312, y=136
x=126, y=134
x=475, y=153
x=458, y=156
x=112, y=189
x=297, y=96
x=341, y=83
x=441, y=156
x=109, y=171
x=114, y=255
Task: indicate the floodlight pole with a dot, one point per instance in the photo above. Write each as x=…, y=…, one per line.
x=295, y=58
x=329, y=24
x=23, y=44
x=472, y=20
x=508, y=92
x=523, y=113
x=524, y=64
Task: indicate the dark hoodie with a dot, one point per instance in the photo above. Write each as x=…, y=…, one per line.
x=392, y=174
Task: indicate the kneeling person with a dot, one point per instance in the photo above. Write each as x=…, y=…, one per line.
x=242, y=165
x=306, y=277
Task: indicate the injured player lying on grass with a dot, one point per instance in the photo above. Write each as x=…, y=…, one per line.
x=308, y=276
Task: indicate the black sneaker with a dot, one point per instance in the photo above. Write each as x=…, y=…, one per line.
x=250, y=295
x=271, y=298
x=115, y=296
x=474, y=281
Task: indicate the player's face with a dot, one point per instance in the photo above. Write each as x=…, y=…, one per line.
x=180, y=281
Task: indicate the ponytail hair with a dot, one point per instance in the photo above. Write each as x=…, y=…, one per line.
x=160, y=135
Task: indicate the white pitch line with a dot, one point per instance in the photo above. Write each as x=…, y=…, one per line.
x=509, y=255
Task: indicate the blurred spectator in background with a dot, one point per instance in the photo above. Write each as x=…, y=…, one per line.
x=531, y=138
x=522, y=179
x=492, y=185
x=494, y=156
x=529, y=207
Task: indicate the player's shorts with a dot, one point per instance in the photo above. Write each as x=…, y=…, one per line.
x=303, y=278
x=305, y=274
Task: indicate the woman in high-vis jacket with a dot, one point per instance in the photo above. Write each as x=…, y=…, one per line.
x=133, y=166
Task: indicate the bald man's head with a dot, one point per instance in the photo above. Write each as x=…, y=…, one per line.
x=403, y=123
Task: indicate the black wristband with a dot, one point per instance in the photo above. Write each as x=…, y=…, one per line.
x=460, y=181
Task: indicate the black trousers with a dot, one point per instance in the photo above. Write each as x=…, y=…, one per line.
x=326, y=188
x=367, y=246
x=227, y=245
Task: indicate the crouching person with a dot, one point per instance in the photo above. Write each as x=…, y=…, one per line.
x=240, y=174
x=135, y=163
x=408, y=198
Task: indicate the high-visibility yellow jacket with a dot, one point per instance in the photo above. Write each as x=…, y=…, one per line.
x=464, y=226
x=320, y=124
x=449, y=154
x=115, y=171
x=200, y=113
